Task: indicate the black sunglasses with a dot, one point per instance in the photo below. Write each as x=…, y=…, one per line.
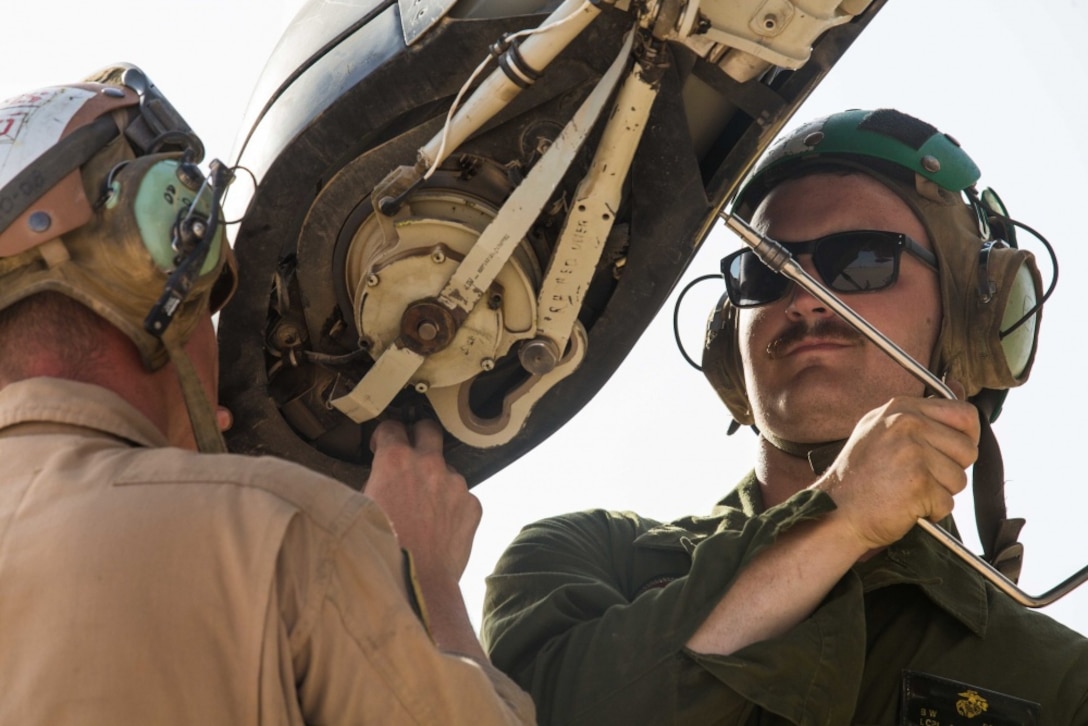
x=855, y=261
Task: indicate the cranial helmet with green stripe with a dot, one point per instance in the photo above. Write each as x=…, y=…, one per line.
x=987, y=283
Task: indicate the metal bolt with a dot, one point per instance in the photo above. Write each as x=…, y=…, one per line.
x=199, y=228
x=372, y=280
x=438, y=257
x=931, y=163
x=488, y=364
x=287, y=336
x=39, y=221
x=427, y=330
x=539, y=356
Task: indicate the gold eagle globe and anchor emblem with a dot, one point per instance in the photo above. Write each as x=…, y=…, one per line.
x=971, y=704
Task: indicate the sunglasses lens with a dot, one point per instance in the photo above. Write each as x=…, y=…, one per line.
x=860, y=262
x=749, y=282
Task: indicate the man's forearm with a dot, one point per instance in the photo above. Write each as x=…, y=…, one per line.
x=780, y=587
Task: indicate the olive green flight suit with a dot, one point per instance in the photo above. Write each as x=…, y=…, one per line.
x=590, y=613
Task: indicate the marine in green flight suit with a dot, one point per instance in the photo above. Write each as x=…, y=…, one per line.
x=809, y=595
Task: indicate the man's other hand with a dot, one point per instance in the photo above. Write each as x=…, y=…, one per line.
x=433, y=513
x=904, y=461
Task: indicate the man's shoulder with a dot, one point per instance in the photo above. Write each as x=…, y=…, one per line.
x=1010, y=620
x=268, y=480
x=590, y=522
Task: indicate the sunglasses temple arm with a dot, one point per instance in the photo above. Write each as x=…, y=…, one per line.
x=779, y=259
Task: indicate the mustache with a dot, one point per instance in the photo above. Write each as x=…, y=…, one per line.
x=835, y=329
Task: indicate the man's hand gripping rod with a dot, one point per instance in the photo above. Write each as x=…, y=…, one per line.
x=778, y=258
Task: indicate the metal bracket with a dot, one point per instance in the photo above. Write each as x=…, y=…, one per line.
x=419, y=16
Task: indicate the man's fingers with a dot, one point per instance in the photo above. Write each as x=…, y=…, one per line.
x=224, y=419
x=957, y=415
x=424, y=436
x=388, y=433
x=428, y=436
x=957, y=389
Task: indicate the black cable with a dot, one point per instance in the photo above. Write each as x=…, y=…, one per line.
x=1053, y=280
x=676, y=317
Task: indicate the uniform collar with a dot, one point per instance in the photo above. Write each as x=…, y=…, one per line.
x=949, y=583
x=57, y=404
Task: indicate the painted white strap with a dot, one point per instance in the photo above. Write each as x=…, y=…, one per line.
x=396, y=365
x=593, y=212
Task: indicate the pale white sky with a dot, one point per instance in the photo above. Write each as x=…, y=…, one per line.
x=1005, y=78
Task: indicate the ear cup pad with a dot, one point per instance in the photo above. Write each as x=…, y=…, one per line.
x=721, y=360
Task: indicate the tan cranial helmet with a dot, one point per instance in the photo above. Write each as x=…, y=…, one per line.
x=987, y=284
x=101, y=200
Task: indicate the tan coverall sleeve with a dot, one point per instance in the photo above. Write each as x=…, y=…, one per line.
x=359, y=652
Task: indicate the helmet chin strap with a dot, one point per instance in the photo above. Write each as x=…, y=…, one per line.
x=209, y=439
x=819, y=456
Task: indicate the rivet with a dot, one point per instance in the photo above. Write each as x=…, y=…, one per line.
x=422, y=386
x=931, y=164
x=39, y=221
x=488, y=364
x=770, y=22
x=813, y=139
x=438, y=257
x=113, y=92
x=371, y=280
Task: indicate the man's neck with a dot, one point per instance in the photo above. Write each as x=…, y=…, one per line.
x=781, y=475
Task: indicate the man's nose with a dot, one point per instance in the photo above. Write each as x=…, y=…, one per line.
x=799, y=301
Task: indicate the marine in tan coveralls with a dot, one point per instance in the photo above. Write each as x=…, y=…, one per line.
x=144, y=581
